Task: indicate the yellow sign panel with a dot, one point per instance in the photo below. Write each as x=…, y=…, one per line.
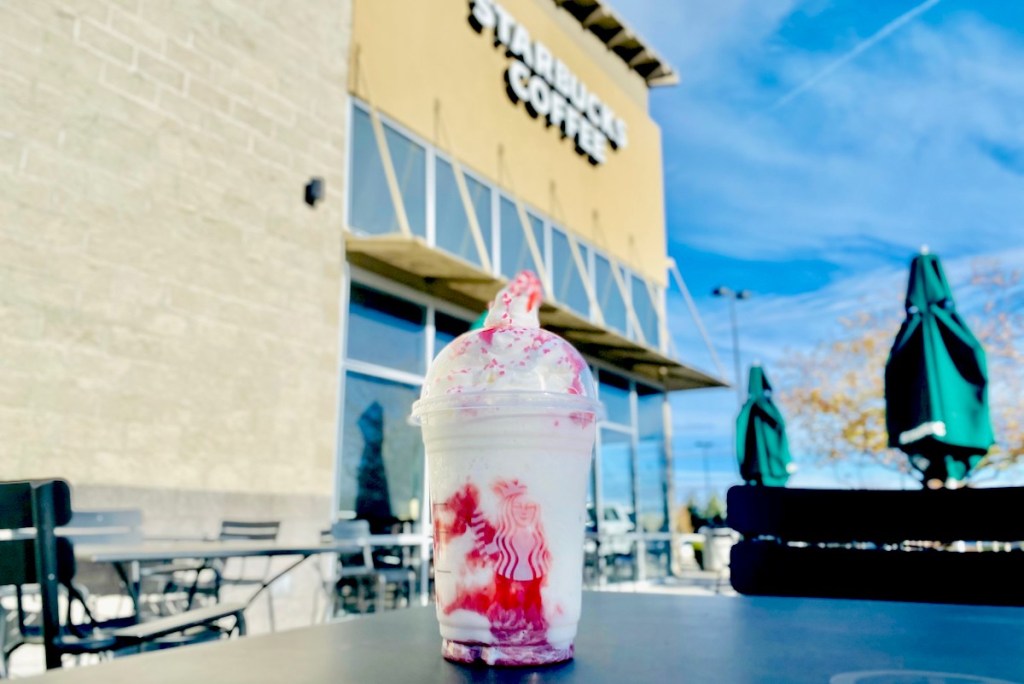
x=458, y=74
x=548, y=87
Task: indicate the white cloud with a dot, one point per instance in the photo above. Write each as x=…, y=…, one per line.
x=917, y=141
x=697, y=36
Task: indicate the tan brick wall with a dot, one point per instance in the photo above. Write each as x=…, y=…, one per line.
x=168, y=303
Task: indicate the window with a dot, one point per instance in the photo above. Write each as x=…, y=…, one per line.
x=387, y=342
x=381, y=469
x=452, y=225
x=515, y=252
x=613, y=391
x=646, y=313
x=616, y=470
x=567, y=280
x=609, y=296
x=371, y=210
x=651, y=468
x=386, y=330
x=380, y=456
x=410, y=161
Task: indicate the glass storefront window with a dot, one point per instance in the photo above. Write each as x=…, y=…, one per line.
x=387, y=334
x=646, y=313
x=380, y=476
x=453, y=233
x=410, y=161
x=386, y=330
x=515, y=252
x=613, y=391
x=372, y=212
x=616, y=481
x=566, y=278
x=371, y=209
x=658, y=561
x=609, y=296
x=651, y=467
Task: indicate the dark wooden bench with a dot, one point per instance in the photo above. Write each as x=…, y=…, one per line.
x=153, y=629
x=886, y=545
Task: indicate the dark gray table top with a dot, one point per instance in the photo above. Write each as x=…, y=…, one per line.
x=625, y=638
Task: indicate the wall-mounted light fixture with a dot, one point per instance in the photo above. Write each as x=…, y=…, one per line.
x=314, y=191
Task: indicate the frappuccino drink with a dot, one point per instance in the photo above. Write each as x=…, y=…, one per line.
x=509, y=417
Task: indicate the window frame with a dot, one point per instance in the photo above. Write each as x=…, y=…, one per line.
x=632, y=430
x=492, y=191
x=355, y=275
x=531, y=212
x=432, y=154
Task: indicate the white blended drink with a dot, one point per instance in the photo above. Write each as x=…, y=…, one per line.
x=509, y=419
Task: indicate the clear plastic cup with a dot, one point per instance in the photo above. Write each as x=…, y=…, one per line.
x=509, y=417
x=508, y=475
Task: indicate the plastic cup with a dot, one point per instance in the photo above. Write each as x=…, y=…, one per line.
x=508, y=477
x=509, y=416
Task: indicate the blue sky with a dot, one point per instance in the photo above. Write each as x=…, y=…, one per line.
x=811, y=149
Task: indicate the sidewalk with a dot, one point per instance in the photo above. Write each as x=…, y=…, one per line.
x=692, y=582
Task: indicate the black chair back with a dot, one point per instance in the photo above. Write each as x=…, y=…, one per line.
x=17, y=500
x=344, y=530
x=42, y=505
x=18, y=562
x=886, y=545
x=107, y=527
x=41, y=557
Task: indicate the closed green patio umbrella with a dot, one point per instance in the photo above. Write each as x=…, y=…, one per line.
x=936, y=381
x=761, y=444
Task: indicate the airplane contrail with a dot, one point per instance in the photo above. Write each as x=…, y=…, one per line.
x=867, y=44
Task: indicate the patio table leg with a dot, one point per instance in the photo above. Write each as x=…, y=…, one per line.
x=132, y=583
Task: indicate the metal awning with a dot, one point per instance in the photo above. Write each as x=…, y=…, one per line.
x=597, y=17
x=411, y=261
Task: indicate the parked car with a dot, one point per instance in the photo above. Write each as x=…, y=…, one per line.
x=616, y=519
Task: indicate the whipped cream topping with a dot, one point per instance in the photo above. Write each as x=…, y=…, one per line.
x=511, y=352
x=517, y=304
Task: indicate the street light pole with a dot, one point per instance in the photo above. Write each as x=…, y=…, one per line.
x=734, y=296
x=736, y=350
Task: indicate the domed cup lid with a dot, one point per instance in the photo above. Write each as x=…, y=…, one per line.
x=511, y=363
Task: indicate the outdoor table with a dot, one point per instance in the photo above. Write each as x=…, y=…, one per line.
x=625, y=638
x=132, y=555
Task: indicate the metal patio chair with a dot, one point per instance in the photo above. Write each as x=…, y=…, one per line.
x=361, y=582
x=34, y=555
x=191, y=579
